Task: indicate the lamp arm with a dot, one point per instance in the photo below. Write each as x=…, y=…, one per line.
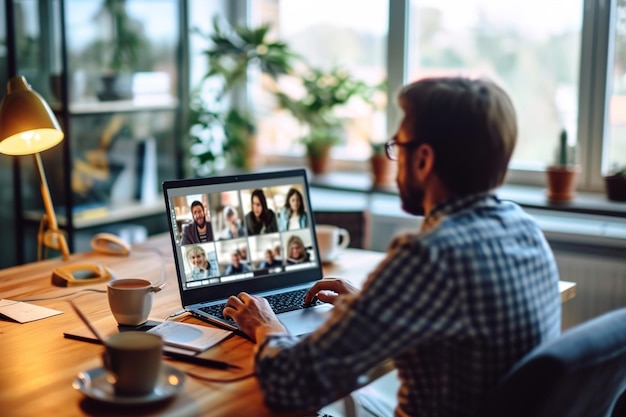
x=52, y=218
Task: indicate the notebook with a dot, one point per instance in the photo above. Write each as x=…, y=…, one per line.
x=245, y=218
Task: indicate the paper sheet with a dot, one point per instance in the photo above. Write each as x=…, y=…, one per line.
x=24, y=312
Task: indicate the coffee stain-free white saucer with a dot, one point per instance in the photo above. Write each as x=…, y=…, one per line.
x=95, y=384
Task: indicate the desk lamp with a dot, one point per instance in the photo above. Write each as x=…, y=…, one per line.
x=27, y=127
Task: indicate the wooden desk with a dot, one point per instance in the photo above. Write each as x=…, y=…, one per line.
x=38, y=365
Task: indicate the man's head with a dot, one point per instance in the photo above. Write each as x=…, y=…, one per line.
x=235, y=258
x=465, y=129
x=197, y=211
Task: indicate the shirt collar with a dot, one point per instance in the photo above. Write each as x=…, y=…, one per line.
x=456, y=204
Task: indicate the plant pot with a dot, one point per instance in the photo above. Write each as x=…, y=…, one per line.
x=615, y=187
x=562, y=182
x=116, y=86
x=383, y=173
x=320, y=161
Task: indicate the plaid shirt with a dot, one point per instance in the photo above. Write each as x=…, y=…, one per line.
x=454, y=306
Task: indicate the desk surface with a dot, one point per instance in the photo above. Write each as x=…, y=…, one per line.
x=38, y=365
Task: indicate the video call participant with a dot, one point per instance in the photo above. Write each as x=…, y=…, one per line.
x=292, y=216
x=201, y=267
x=200, y=230
x=261, y=219
x=296, y=252
x=236, y=266
x=269, y=261
x=454, y=305
x=233, y=226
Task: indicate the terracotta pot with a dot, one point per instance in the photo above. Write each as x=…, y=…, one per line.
x=320, y=163
x=562, y=182
x=383, y=172
x=615, y=187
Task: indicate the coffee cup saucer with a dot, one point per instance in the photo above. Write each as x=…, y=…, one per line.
x=94, y=384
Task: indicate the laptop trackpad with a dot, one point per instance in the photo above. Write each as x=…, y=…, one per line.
x=305, y=321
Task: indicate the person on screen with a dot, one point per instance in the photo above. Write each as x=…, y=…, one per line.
x=456, y=304
x=296, y=251
x=292, y=216
x=200, y=230
x=278, y=252
x=233, y=226
x=269, y=261
x=201, y=267
x=236, y=266
x=260, y=219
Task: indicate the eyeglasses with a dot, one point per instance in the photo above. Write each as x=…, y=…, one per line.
x=391, y=148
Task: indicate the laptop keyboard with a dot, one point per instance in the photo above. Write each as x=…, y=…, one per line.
x=280, y=303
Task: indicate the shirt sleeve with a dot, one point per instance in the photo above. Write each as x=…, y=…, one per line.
x=404, y=300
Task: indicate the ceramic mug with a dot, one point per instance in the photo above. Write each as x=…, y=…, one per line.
x=331, y=241
x=130, y=300
x=133, y=360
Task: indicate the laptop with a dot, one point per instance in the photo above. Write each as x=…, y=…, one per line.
x=276, y=258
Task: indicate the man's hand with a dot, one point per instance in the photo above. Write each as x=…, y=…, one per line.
x=328, y=289
x=253, y=315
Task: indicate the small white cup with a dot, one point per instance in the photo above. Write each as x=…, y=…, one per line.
x=130, y=300
x=133, y=360
x=331, y=241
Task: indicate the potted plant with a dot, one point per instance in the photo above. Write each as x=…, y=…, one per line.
x=221, y=132
x=561, y=177
x=383, y=172
x=615, y=184
x=323, y=92
x=120, y=49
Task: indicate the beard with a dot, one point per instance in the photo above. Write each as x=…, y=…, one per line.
x=201, y=222
x=412, y=196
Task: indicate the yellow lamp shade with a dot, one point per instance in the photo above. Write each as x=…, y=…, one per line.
x=27, y=124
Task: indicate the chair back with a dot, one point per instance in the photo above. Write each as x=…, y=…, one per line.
x=581, y=373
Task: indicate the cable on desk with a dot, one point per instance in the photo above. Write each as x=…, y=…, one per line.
x=224, y=380
x=63, y=295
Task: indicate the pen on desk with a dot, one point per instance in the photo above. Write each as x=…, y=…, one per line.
x=209, y=363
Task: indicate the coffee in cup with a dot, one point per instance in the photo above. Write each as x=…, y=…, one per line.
x=130, y=300
x=331, y=241
x=133, y=360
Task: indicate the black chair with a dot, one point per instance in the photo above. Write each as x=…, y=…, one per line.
x=582, y=373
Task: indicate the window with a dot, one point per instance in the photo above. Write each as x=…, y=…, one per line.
x=327, y=33
x=562, y=61
x=615, y=131
x=531, y=51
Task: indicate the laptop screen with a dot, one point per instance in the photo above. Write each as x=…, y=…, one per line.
x=250, y=232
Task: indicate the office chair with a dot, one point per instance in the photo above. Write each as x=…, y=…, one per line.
x=582, y=373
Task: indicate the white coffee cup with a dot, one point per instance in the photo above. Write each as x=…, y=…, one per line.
x=130, y=300
x=133, y=360
x=331, y=241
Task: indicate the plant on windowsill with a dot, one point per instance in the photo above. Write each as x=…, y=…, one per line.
x=222, y=133
x=615, y=184
x=561, y=177
x=323, y=93
x=383, y=172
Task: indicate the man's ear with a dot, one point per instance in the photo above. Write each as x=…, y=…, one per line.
x=423, y=161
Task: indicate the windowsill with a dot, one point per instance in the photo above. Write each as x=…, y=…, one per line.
x=526, y=196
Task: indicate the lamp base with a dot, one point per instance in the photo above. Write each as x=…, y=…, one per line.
x=80, y=273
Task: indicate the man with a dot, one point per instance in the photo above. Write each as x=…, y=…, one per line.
x=236, y=266
x=456, y=305
x=200, y=230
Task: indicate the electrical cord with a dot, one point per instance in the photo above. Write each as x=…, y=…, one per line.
x=221, y=380
x=63, y=295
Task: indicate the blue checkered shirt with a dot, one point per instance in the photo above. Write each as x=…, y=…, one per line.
x=454, y=306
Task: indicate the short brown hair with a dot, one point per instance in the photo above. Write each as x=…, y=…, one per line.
x=471, y=126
